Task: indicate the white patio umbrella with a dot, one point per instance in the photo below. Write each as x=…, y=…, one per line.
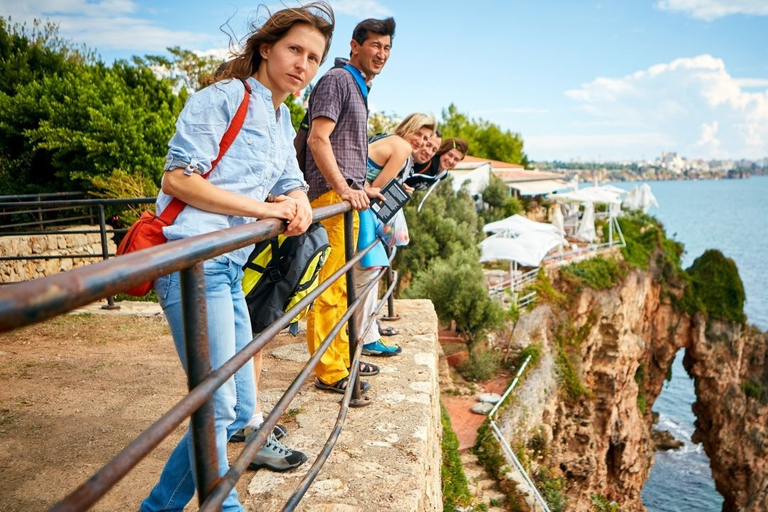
x=558, y=221
x=517, y=225
x=586, y=229
x=528, y=249
x=646, y=198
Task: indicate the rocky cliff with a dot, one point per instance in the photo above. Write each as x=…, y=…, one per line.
x=581, y=420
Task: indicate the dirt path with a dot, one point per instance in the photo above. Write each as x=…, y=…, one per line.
x=76, y=390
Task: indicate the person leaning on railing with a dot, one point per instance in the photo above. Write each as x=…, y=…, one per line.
x=389, y=155
x=280, y=57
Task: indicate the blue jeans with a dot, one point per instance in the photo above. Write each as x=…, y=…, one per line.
x=229, y=330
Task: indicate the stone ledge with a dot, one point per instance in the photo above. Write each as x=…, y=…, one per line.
x=388, y=456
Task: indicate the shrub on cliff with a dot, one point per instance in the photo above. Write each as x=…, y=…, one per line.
x=455, y=286
x=598, y=273
x=716, y=288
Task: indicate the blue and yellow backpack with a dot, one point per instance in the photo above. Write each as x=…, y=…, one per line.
x=280, y=272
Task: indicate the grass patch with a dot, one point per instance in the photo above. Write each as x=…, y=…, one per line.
x=598, y=273
x=568, y=340
x=601, y=504
x=453, y=480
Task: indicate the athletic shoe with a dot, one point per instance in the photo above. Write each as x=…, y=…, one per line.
x=238, y=437
x=276, y=456
x=377, y=348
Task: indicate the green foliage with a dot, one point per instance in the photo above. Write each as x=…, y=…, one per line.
x=640, y=380
x=716, y=287
x=546, y=291
x=754, y=389
x=454, y=481
x=486, y=140
x=455, y=286
x=481, y=365
x=534, y=351
x=601, y=504
x=500, y=204
x=552, y=490
x=644, y=235
x=74, y=119
x=297, y=110
x=568, y=340
x=380, y=122
x=446, y=224
x=598, y=273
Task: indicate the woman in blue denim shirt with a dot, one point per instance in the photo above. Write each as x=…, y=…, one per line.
x=280, y=57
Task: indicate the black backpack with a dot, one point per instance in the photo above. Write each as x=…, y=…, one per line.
x=280, y=272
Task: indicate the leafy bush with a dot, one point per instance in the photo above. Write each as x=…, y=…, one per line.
x=453, y=480
x=482, y=364
x=455, y=286
x=716, y=287
x=598, y=273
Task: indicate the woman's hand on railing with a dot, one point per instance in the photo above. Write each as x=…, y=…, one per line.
x=303, y=218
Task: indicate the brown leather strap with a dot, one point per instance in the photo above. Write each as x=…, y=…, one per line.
x=176, y=205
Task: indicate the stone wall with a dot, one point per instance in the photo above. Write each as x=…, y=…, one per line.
x=56, y=243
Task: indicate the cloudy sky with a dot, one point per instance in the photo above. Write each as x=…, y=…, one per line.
x=586, y=80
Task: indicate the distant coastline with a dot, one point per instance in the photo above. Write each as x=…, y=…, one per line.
x=605, y=172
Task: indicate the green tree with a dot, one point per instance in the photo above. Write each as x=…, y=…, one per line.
x=486, y=140
x=456, y=287
x=186, y=68
x=500, y=204
x=297, y=110
x=447, y=223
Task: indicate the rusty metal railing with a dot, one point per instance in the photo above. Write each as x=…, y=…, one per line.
x=35, y=301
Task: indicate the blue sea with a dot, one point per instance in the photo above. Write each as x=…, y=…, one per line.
x=732, y=216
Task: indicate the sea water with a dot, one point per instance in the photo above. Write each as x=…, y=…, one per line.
x=732, y=216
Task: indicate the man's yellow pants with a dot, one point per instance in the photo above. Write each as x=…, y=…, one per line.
x=331, y=305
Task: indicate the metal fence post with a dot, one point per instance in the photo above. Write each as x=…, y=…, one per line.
x=390, y=316
x=105, y=252
x=349, y=252
x=197, y=346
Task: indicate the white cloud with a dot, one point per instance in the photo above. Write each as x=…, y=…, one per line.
x=102, y=25
x=360, y=8
x=602, y=146
x=709, y=10
x=688, y=100
x=708, y=132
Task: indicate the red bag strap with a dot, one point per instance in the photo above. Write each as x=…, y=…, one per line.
x=176, y=205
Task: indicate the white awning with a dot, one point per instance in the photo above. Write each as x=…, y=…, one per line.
x=540, y=187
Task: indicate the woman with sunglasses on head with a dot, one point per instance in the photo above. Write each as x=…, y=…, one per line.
x=279, y=57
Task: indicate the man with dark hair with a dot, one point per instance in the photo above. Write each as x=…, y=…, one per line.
x=335, y=172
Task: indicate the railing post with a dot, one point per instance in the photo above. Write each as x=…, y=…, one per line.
x=105, y=252
x=349, y=252
x=197, y=347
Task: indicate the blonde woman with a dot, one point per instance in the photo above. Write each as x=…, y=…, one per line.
x=388, y=155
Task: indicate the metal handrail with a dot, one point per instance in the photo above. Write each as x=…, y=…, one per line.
x=503, y=442
x=37, y=300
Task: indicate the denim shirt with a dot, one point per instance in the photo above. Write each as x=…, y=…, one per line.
x=261, y=160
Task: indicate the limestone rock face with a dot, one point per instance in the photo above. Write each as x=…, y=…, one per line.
x=732, y=424
x=621, y=343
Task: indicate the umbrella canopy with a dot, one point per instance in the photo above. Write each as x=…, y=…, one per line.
x=586, y=229
x=517, y=225
x=641, y=198
x=528, y=249
x=558, y=221
x=589, y=195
